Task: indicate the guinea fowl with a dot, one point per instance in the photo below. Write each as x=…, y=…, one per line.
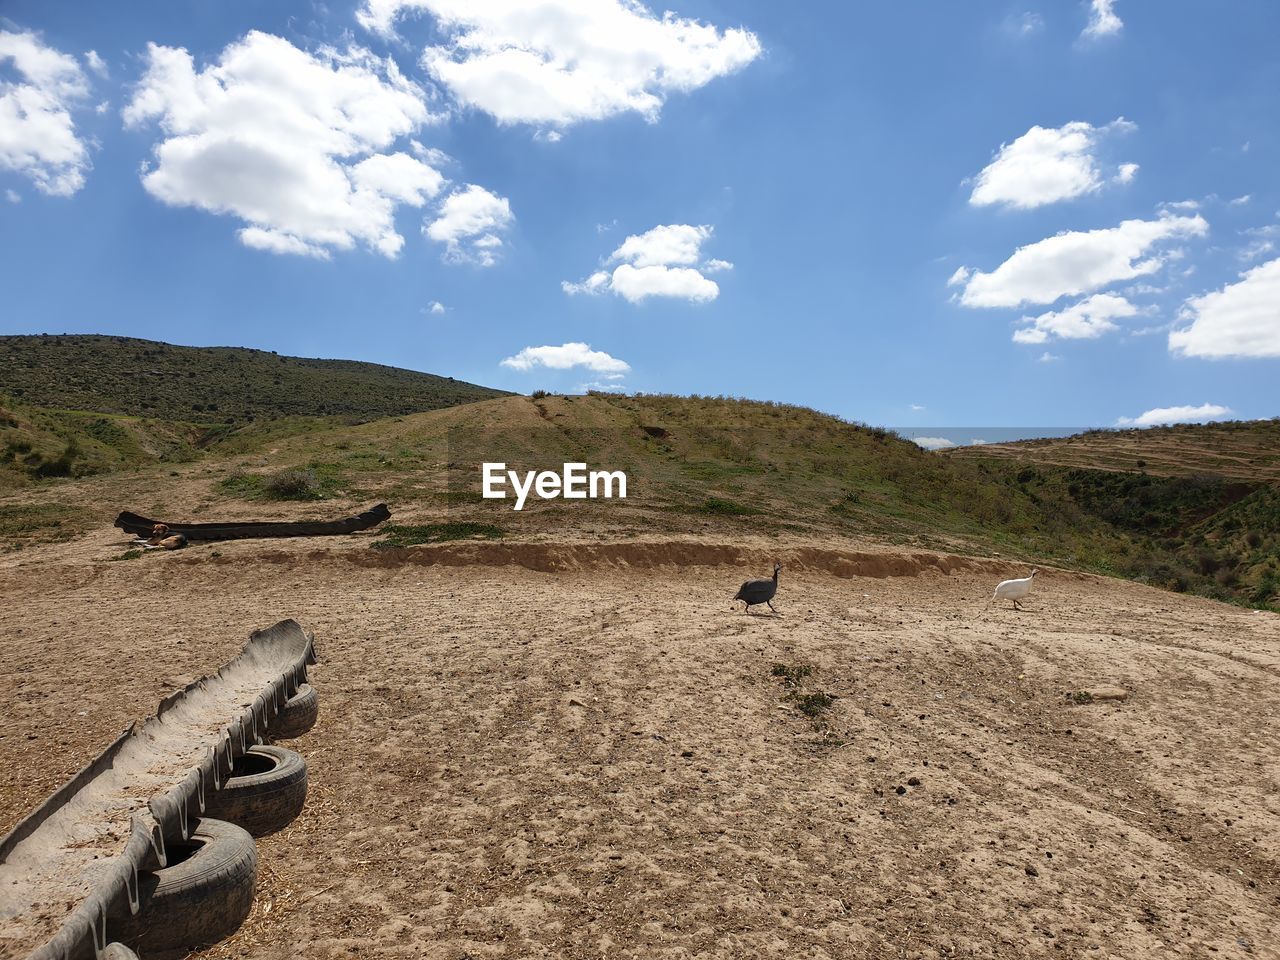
x=759, y=591
x=1014, y=590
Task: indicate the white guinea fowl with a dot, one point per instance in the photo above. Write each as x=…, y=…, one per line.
x=1014, y=590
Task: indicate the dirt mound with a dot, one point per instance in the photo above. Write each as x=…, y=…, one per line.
x=672, y=554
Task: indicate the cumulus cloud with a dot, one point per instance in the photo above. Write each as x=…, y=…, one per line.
x=296, y=145
x=1077, y=262
x=96, y=63
x=1188, y=414
x=1103, y=21
x=565, y=357
x=1086, y=320
x=40, y=87
x=1240, y=320
x=1046, y=165
x=933, y=443
x=663, y=262
x=435, y=307
x=468, y=224
x=559, y=62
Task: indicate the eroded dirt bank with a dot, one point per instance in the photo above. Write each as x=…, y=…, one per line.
x=600, y=762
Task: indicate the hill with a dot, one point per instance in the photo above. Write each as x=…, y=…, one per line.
x=1243, y=450
x=706, y=468
x=212, y=385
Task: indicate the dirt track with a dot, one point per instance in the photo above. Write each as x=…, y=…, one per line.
x=598, y=762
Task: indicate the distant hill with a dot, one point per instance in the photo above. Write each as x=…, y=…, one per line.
x=212, y=385
x=695, y=465
x=1240, y=450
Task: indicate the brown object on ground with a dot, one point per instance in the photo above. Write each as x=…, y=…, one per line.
x=459, y=805
x=1106, y=693
x=254, y=529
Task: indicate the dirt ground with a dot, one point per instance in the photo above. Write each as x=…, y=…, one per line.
x=600, y=762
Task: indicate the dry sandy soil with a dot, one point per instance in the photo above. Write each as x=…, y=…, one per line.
x=597, y=761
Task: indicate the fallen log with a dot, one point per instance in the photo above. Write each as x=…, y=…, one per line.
x=253, y=529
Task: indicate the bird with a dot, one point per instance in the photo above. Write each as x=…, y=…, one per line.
x=1014, y=590
x=759, y=591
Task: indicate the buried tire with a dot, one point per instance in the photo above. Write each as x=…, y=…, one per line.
x=200, y=898
x=297, y=716
x=265, y=792
x=117, y=951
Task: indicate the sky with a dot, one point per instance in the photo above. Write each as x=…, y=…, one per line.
x=931, y=215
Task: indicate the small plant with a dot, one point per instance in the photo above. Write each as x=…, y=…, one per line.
x=128, y=555
x=538, y=394
x=1080, y=697
x=812, y=705
x=791, y=676
x=293, y=485
x=408, y=536
x=725, y=508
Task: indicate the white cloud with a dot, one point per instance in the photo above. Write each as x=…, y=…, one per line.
x=468, y=225
x=662, y=262
x=960, y=277
x=1046, y=165
x=1241, y=200
x=292, y=143
x=638, y=283
x=1103, y=21
x=565, y=357
x=1077, y=262
x=96, y=63
x=13, y=196
x=558, y=62
x=603, y=385
x=1126, y=172
x=1024, y=24
x=1206, y=411
x=1087, y=319
x=39, y=89
x=1240, y=320
x=435, y=307
x=933, y=443
x=1048, y=357
x=917, y=407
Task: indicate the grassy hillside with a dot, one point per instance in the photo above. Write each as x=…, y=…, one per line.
x=211, y=385
x=1245, y=450
x=727, y=468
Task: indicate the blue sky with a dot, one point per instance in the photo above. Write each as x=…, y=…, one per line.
x=919, y=214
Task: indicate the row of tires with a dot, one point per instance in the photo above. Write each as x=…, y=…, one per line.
x=205, y=891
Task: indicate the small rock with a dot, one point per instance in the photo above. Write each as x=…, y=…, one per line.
x=575, y=702
x=913, y=782
x=686, y=753
x=1107, y=693
x=1031, y=870
x=900, y=790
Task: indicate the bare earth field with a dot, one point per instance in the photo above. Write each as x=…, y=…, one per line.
x=594, y=759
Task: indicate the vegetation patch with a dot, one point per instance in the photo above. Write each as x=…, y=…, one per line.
x=305, y=483
x=403, y=535
x=719, y=507
x=812, y=705
x=791, y=675
x=47, y=522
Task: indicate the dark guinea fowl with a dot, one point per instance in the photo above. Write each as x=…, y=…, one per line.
x=759, y=591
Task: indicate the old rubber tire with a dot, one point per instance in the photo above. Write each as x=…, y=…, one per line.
x=297, y=716
x=200, y=898
x=117, y=951
x=265, y=792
